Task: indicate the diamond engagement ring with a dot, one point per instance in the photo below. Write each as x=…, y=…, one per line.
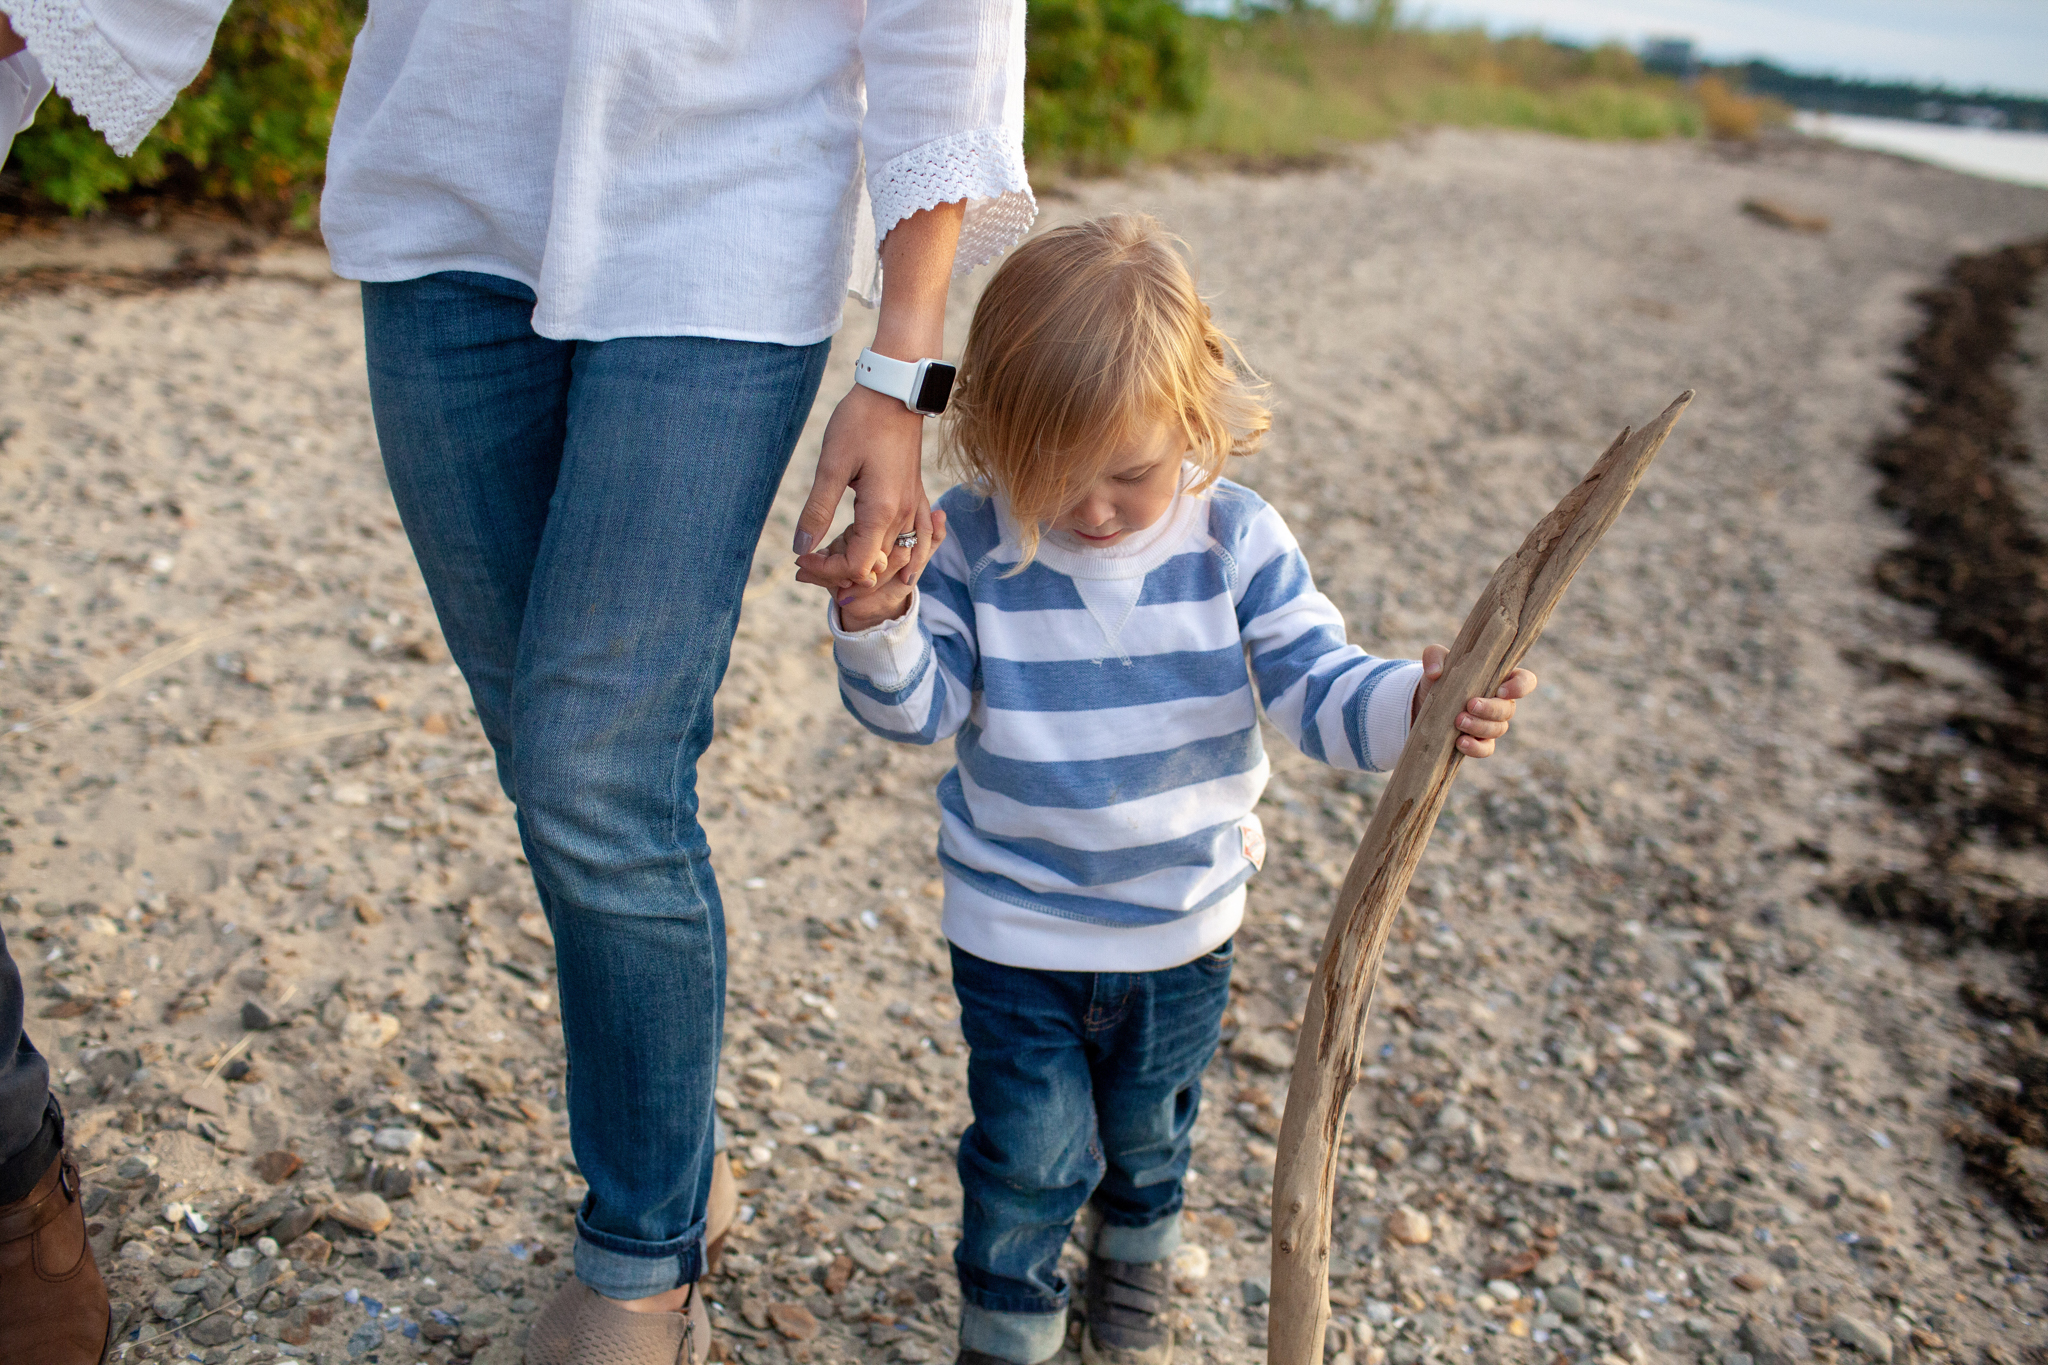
x=907, y=541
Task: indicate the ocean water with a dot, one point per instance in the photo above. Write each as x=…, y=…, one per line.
x=1996, y=153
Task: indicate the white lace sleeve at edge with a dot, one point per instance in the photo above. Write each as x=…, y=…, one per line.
x=88, y=71
x=985, y=167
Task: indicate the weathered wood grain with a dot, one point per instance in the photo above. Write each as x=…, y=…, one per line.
x=1501, y=627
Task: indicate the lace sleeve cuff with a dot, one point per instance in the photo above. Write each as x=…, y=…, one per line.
x=88, y=71
x=985, y=167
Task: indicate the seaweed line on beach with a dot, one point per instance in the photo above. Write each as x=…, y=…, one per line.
x=1980, y=774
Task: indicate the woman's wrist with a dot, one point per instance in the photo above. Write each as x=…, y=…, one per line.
x=917, y=268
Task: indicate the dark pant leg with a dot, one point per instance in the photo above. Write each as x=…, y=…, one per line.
x=674, y=449
x=1031, y=1156
x=1147, y=1080
x=30, y=1127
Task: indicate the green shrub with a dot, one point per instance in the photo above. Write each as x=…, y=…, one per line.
x=251, y=130
x=1093, y=66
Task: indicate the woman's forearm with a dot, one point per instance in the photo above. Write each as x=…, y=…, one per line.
x=917, y=263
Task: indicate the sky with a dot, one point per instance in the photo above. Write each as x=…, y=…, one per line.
x=1965, y=44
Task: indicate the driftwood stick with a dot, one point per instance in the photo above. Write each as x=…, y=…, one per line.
x=1502, y=626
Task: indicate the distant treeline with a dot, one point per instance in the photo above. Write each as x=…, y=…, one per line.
x=1936, y=104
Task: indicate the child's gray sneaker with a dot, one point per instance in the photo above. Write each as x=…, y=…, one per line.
x=967, y=1357
x=1129, y=1319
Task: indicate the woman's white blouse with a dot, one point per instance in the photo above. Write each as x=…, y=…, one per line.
x=649, y=167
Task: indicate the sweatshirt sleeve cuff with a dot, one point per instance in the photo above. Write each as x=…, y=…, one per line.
x=1386, y=715
x=886, y=654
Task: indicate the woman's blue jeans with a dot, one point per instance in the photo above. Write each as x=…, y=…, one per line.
x=585, y=514
x=1085, y=1087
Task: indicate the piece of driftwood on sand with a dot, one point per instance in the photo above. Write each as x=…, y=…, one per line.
x=1502, y=626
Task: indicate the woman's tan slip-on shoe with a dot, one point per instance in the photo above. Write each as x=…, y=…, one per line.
x=582, y=1327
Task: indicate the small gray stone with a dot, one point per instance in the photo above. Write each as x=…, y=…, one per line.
x=1549, y=1271
x=256, y=1018
x=295, y=1222
x=404, y=1141
x=217, y=1330
x=1568, y=1300
x=1717, y=1215
x=367, y=1337
x=254, y=1220
x=1256, y=1291
x=393, y=1180
x=1268, y=1050
x=1699, y=1239
x=169, y=1304
x=866, y=1257
x=1861, y=1336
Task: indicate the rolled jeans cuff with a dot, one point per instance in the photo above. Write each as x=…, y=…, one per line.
x=621, y=1268
x=1021, y=1338
x=1156, y=1241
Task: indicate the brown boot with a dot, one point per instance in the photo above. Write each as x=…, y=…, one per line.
x=53, y=1304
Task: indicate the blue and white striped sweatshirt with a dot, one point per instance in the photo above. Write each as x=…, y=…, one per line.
x=1100, y=815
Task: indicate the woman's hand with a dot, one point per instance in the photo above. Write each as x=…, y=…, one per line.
x=865, y=606
x=874, y=444
x=1484, y=719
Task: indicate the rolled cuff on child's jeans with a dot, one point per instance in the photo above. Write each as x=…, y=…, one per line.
x=1021, y=1338
x=622, y=1268
x=1155, y=1241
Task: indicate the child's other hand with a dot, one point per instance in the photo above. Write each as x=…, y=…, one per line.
x=1484, y=719
x=863, y=604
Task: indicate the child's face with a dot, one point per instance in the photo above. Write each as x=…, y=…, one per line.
x=1136, y=488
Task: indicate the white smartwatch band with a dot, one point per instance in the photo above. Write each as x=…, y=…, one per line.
x=923, y=386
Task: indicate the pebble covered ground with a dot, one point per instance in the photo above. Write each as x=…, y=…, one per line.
x=1641, y=1091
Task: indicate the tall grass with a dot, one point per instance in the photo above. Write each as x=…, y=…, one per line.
x=1289, y=87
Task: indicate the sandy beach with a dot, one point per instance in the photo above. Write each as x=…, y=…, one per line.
x=1643, y=1091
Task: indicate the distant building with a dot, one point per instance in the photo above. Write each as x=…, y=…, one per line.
x=1979, y=116
x=1671, y=56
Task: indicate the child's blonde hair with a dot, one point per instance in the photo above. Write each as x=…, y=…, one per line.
x=1083, y=334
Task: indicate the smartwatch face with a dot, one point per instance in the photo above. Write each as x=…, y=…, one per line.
x=936, y=390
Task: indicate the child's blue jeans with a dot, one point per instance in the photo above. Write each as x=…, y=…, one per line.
x=1085, y=1087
